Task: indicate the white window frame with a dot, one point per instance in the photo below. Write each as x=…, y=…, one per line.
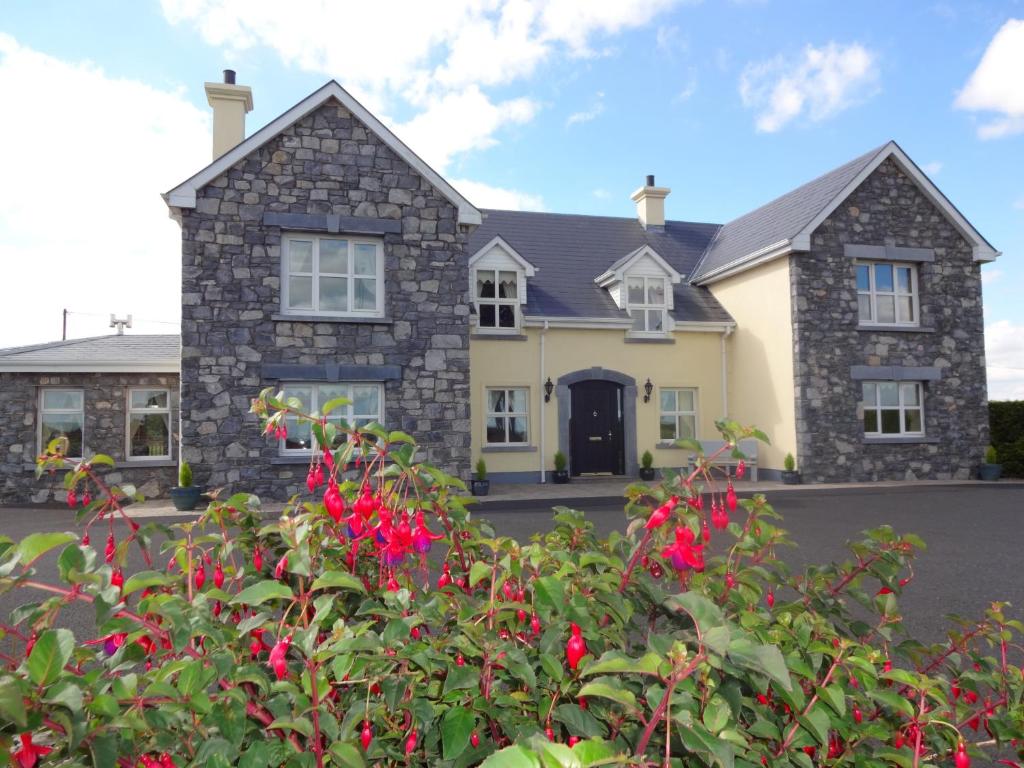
x=901, y=407
x=345, y=412
x=130, y=411
x=287, y=240
x=497, y=301
x=676, y=414
x=507, y=415
x=873, y=293
x=40, y=410
x=646, y=307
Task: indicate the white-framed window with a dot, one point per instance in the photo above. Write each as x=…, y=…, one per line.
x=149, y=424
x=893, y=408
x=508, y=415
x=678, y=417
x=646, y=303
x=497, y=300
x=366, y=405
x=62, y=414
x=887, y=293
x=338, y=276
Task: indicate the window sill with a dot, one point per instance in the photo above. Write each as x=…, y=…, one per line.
x=497, y=337
x=147, y=463
x=508, y=449
x=292, y=459
x=286, y=318
x=900, y=440
x=670, y=447
x=875, y=328
x=657, y=339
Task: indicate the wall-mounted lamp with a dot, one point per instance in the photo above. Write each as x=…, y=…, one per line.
x=548, y=387
x=648, y=388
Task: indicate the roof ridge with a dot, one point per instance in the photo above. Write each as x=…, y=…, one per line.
x=707, y=249
x=593, y=216
x=25, y=349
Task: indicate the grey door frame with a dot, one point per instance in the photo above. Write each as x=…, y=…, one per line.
x=564, y=397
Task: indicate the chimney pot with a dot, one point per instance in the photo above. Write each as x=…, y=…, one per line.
x=230, y=104
x=650, y=180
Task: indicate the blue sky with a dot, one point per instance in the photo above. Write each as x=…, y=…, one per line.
x=561, y=105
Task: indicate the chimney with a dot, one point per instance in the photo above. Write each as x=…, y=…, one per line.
x=650, y=205
x=230, y=102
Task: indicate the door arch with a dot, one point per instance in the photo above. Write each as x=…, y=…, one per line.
x=627, y=387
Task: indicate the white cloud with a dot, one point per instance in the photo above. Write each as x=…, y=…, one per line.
x=1004, y=354
x=689, y=88
x=932, y=168
x=989, y=276
x=438, y=59
x=995, y=86
x=589, y=114
x=486, y=196
x=82, y=225
x=819, y=83
x=600, y=193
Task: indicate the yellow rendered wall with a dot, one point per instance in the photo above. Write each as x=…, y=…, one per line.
x=760, y=354
x=693, y=361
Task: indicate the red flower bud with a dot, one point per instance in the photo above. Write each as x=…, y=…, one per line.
x=474, y=739
x=257, y=559
x=576, y=648
x=770, y=599
x=218, y=575
x=730, y=498
x=962, y=759
x=200, y=576
x=117, y=578
x=410, y=743
x=366, y=736
x=280, y=567
x=72, y=499
x=741, y=469
x=111, y=549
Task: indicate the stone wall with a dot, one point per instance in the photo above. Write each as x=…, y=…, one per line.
x=888, y=209
x=105, y=410
x=327, y=164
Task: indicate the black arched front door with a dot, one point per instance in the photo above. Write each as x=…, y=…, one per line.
x=596, y=429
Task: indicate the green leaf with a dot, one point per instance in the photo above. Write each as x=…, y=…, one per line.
x=591, y=751
x=101, y=458
x=12, y=703
x=690, y=445
x=556, y=755
x=579, y=721
x=697, y=739
x=616, y=661
x=456, y=727
x=606, y=691
x=552, y=667
x=459, y=678
x=261, y=592
x=49, y=655
x=817, y=723
x=104, y=749
x=478, y=572
x=35, y=545
x=330, y=405
x=763, y=659
x=347, y=754
x=705, y=614
x=515, y=756
x=893, y=701
x=716, y=714
x=400, y=437
x=834, y=696
x=338, y=579
x=549, y=592
x=302, y=725
x=145, y=579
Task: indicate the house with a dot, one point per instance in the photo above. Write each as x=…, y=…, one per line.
x=322, y=256
x=116, y=395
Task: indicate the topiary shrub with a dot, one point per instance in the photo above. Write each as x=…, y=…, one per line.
x=376, y=621
x=184, y=475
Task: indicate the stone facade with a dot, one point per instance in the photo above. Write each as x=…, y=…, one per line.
x=105, y=411
x=234, y=341
x=888, y=209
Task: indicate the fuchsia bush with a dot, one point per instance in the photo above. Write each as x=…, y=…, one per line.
x=376, y=621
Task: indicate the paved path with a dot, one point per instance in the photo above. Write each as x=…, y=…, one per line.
x=975, y=535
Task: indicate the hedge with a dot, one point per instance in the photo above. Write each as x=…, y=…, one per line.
x=1006, y=422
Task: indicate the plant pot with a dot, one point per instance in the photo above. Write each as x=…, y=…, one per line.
x=647, y=473
x=185, y=499
x=560, y=476
x=790, y=478
x=990, y=472
x=480, y=487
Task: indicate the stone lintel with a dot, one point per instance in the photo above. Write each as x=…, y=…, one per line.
x=888, y=253
x=330, y=372
x=318, y=222
x=894, y=373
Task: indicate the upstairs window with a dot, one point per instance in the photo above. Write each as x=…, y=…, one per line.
x=332, y=276
x=149, y=424
x=366, y=405
x=892, y=408
x=887, y=293
x=497, y=300
x=646, y=303
x=62, y=414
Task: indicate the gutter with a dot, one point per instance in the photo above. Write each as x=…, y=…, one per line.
x=543, y=408
x=726, y=333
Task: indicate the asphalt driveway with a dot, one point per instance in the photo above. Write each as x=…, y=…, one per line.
x=975, y=537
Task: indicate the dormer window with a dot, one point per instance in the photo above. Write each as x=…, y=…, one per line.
x=497, y=299
x=646, y=304
x=497, y=287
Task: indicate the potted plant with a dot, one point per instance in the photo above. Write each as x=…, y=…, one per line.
x=184, y=495
x=789, y=475
x=480, y=485
x=991, y=469
x=646, y=466
x=561, y=474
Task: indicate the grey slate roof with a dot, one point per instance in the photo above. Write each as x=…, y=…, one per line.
x=153, y=352
x=781, y=219
x=569, y=251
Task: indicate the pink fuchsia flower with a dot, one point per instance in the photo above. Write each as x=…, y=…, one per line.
x=27, y=756
x=278, y=654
